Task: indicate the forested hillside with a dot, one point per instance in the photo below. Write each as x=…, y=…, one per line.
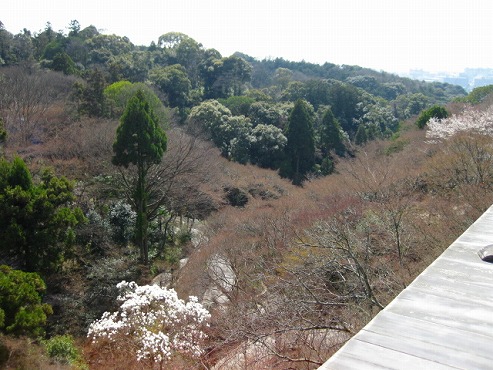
x=294, y=200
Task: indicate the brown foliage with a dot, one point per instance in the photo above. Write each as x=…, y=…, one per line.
x=24, y=353
x=26, y=97
x=327, y=256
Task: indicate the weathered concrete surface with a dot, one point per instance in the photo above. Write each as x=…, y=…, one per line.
x=443, y=320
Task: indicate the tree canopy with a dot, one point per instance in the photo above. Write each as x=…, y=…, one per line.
x=21, y=309
x=331, y=134
x=140, y=142
x=300, y=146
x=435, y=111
x=37, y=220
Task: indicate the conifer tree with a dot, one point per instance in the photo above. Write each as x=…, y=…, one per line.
x=300, y=147
x=361, y=136
x=140, y=142
x=331, y=135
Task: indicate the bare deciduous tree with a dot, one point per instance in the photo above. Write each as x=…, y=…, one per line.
x=26, y=94
x=175, y=186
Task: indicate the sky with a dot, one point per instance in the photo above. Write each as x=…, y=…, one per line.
x=389, y=35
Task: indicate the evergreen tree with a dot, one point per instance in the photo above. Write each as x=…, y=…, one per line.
x=92, y=100
x=331, y=135
x=36, y=220
x=139, y=142
x=361, y=136
x=300, y=147
x=21, y=309
x=434, y=112
x=63, y=63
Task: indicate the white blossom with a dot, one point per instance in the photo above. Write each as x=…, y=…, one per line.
x=156, y=320
x=471, y=120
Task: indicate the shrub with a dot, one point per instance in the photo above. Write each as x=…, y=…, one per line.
x=122, y=218
x=152, y=323
x=236, y=197
x=434, y=112
x=21, y=310
x=61, y=348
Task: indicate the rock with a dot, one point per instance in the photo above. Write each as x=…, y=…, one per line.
x=163, y=280
x=223, y=281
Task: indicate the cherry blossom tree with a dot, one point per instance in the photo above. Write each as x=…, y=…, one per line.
x=471, y=120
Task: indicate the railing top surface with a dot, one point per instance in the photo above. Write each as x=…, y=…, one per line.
x=443, y=320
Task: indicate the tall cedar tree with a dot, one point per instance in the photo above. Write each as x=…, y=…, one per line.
x=331, y=135
x=300, y=148
x=139, y=142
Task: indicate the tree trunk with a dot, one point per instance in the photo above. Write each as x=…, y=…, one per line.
x=141, y=225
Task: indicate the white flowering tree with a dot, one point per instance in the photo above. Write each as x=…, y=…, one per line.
x=153, y=324
x=467, y=147
x=471, y=120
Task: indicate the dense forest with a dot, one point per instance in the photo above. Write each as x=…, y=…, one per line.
x=164, y=206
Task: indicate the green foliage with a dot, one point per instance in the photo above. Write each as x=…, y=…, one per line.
x=396, y=146
x=122, y=220
x=282, y=77
x=62, y=349
x=63, y=63
x=36, y=220
x=171, y=39
x=173, y=81
x=21, y=310
x=133, y=66
x=90, y=95
x=317, y=92
x=238, y=105
x=300, y=146
x=379, y=119
x=434, y=112
x=361, y=136
x=118, y=94
x=262, y=112
x=18, y=174
x=173, y=253
x=215, y=119
x=327, y=167
x=408, y=105
x=224, y=77
x=104, y=47
x=52, y=48
x=294, y=91
x=345, y=101
x=331, y=135
x=236, y=197
x=258, y=95
x=139, y=139
x=142, y=143
x=238, y=139
x=267, y=146
x=478, y=94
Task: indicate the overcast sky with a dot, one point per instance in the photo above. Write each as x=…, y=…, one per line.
x=389, y=35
